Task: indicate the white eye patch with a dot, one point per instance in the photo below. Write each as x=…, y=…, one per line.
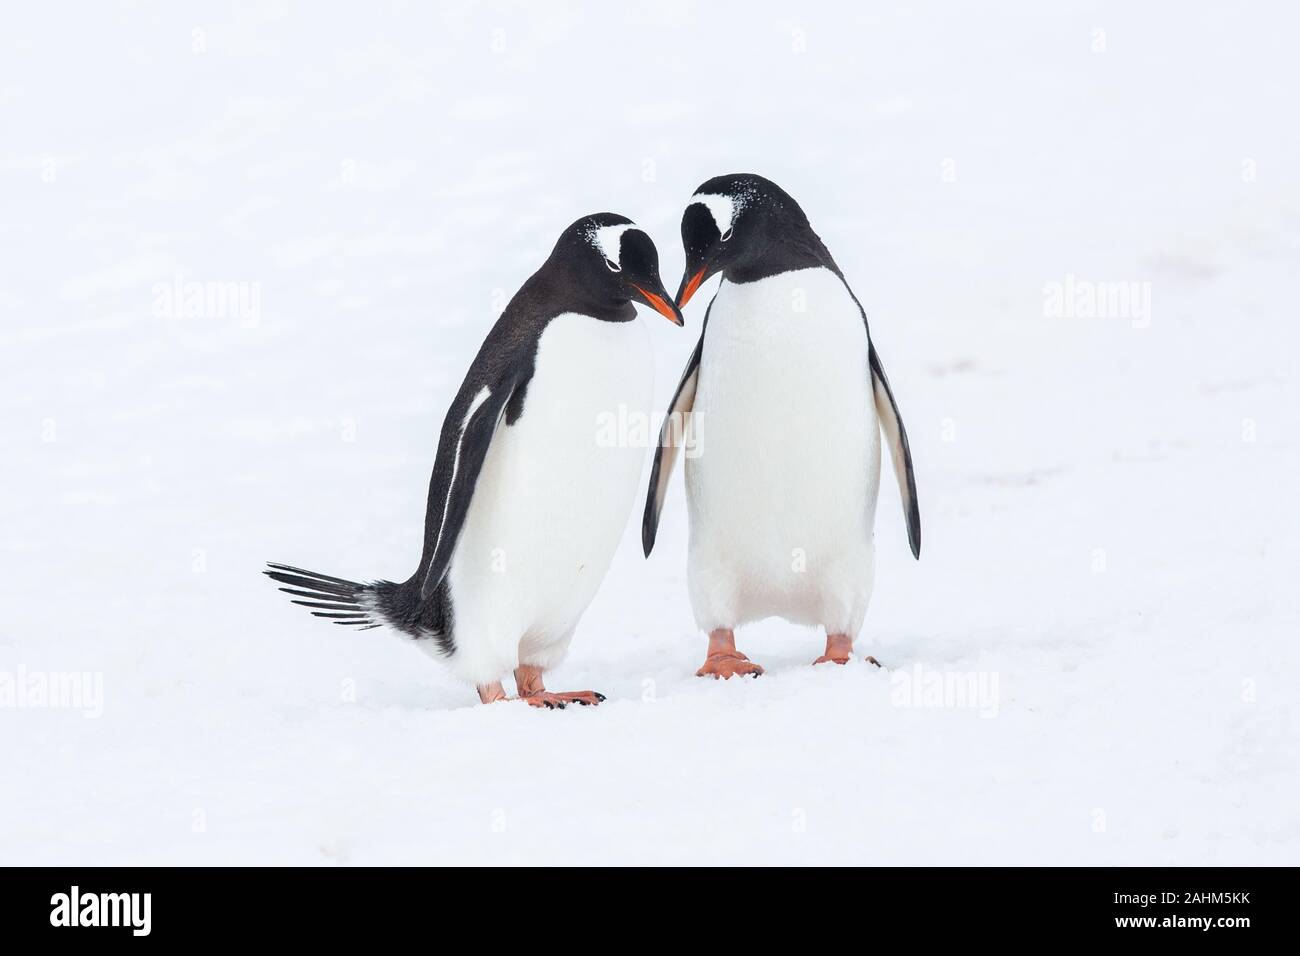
x=608, y=241
x=723, y=209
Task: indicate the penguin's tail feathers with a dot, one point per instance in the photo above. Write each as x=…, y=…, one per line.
x=343, y=602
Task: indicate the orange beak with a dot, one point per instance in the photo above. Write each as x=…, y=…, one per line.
x=662, y=306
x=689, y=290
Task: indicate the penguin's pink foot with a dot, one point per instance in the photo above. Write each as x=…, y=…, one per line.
x=587, y=698
x=830, y=659
x=529, y=681
x=727, y=666
x=839, y=648
x=723, y=660
x=491, y=693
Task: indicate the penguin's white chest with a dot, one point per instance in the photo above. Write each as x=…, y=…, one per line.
x=783, y=489
x=554, y=495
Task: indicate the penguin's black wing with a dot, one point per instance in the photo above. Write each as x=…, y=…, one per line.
x=891, y=423
x=493, y=388
x=671, y=437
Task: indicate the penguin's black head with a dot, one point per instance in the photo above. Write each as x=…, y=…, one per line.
x=614, y=262
x=737, y=223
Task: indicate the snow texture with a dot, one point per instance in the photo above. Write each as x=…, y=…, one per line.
x=1108, y=500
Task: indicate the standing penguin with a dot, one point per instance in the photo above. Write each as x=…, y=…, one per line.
x=526, y=505
x=790, y=395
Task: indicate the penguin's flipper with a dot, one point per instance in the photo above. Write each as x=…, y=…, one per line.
x=671, y=436
x=467, y=433
x=891, y=423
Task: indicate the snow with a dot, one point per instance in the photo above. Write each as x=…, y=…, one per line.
x=1110, y=532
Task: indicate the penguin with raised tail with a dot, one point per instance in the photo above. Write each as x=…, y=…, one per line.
x=791, y=397
x=526, y=502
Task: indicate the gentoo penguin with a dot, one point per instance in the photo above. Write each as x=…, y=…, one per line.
x=527, y=502
x=789, y=394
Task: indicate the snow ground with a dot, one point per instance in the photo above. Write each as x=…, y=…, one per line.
x=1109, y=524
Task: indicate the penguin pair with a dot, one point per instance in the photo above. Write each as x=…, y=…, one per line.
x=526, y=508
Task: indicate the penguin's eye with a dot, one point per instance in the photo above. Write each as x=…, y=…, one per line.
x=727, y=235
x=613, y=266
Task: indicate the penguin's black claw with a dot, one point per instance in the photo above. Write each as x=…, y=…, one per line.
x=599, y=696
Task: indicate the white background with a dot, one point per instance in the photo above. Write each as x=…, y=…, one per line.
x=1108, y=504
